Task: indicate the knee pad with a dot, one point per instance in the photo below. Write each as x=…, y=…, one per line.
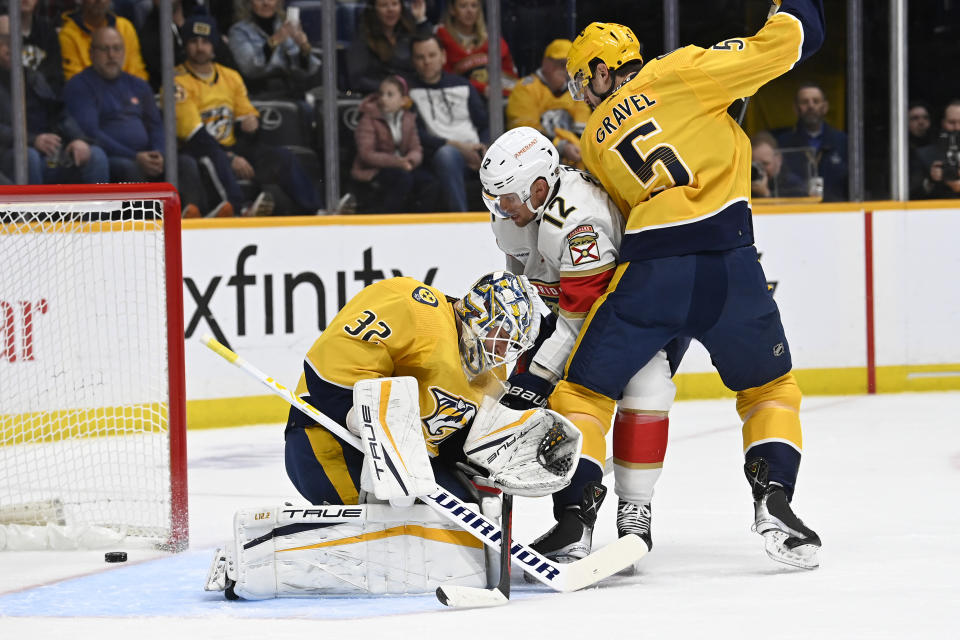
x=589, y=411
x=650, y=389
x=770, y=413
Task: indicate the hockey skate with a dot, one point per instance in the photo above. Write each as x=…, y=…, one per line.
x=635, y=517
x=572, y=537
x=786, y=538
x=217, y=578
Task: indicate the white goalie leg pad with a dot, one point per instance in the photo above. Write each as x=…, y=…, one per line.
x=395, y=463
x=309, y=551
x=528, y=453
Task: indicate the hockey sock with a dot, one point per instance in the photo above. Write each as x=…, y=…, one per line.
x=639, y=447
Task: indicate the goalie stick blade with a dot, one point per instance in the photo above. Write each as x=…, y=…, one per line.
x=614, y=557
x=472, y=597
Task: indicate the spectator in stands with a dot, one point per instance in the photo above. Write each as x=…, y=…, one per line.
x=41, y=45
x=920, y=134
x=452, y=121
x=770, y=178
x=919, y=128
x=118, y=112
x=150, y=40
x=211, y=100
x=828, y=145
x=389, y=152
x=382, y=44
x=78, y=27
x=273, y=54
x=56, y=150
x=463, y=34
x=941, y=159
x=541, y=101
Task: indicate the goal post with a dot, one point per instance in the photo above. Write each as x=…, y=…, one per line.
x=92, y=397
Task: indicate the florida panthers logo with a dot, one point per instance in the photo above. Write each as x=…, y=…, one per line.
x=451, y=413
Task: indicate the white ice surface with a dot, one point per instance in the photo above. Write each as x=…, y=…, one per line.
x=879, y=482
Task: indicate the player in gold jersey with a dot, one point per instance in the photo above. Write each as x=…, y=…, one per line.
x=455, y=349
x=661, y=143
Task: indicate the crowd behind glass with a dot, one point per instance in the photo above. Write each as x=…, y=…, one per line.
x=412, y=100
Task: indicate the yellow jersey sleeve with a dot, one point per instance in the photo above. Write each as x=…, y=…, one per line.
x=186, y=104
x=238, y=90
x=738, y=67
x=133, y=60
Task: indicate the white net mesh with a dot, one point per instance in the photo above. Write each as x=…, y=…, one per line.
x=84, y=430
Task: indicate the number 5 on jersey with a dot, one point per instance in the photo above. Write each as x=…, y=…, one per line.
x=643, y=165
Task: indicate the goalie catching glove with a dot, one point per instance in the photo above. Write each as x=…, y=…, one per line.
x=529, y=453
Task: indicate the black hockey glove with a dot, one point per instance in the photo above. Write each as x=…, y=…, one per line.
x=526, y=391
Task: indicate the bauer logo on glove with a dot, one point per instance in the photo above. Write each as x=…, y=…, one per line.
x=529, y=453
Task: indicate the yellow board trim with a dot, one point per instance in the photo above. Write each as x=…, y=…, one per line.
x=459, y=538
x=20, y=228
x=69, y=424
x=329, y=454
x=269, y=409
x=758, y=206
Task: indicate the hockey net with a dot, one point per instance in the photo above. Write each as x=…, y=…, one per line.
x=92, y=417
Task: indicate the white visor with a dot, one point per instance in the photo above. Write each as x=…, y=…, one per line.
x=493, y=204
x=577, y=86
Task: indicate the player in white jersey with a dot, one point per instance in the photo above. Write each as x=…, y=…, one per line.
x=560, y=228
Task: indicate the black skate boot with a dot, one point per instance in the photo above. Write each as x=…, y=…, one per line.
x=786, y=538
x=635, y=517
x=572, y=537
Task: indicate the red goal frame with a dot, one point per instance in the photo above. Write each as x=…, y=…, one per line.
x=167, y=195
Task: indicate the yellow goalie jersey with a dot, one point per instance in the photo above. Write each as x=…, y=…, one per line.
x=399, y=327
x=668, y=154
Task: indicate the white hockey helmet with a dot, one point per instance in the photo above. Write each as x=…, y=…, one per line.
x=513, y=163
x=498, y=321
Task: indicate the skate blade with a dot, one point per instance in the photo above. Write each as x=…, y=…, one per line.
x=805, y=556
x=217, y=574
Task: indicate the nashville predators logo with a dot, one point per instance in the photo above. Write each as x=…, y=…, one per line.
x=218, y=122
x=451, y=413
x=425, y=296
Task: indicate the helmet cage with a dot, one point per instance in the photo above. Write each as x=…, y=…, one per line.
x=497, y=322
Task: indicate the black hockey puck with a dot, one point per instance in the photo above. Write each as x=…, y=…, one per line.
x=115, y=556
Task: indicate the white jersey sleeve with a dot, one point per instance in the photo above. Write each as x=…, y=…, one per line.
x=579, y=237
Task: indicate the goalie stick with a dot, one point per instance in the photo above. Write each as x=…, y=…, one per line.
x=562, y=577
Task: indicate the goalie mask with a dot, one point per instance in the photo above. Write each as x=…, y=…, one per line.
x=498, y=321
x=610, y=43
x=513, y=163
